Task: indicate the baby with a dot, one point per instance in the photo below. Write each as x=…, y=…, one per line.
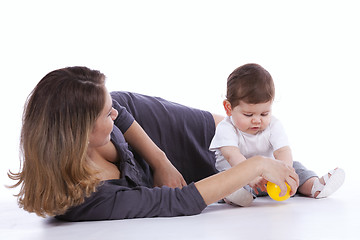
x=249, y=129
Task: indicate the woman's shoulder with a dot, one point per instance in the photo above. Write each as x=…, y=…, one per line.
x=124, y=118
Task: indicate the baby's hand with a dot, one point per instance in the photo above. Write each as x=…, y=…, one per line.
x=258, y=182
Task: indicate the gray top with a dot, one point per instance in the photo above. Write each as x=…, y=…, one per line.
x=183, y=133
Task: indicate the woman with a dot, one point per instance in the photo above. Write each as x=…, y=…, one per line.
x=85, y=157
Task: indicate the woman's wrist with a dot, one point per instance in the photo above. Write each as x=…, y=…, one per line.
x=258, y=163
x=220, y=185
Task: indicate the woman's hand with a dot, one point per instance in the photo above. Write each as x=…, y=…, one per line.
x=222, y=184
x=278, y=172
x=258, y=182
x=164, y=172
x=168, y=175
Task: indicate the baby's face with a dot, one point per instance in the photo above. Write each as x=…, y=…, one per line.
x=251, y=118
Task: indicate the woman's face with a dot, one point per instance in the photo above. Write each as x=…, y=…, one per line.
x=100, y=134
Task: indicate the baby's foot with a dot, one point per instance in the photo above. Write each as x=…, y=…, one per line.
x=241, y=197
x=328, y=184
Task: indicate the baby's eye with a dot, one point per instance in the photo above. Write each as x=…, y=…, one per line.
x=248, y=114
x=264, y=114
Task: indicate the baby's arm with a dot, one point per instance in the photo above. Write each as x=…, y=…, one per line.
x=232, y=154
x=284, y=154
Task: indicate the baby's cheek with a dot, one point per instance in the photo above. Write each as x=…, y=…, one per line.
x=266, y=123
x=242, y=125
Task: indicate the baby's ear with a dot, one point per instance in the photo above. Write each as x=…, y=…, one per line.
x=227, y=107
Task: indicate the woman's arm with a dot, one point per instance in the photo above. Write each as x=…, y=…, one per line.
x=222, y=184
x=113, y=201
x=283, y=154
x=164, y=172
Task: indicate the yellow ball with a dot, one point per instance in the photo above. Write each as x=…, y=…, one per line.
x=274, y=191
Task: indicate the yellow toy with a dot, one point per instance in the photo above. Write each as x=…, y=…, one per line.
x=274, y=191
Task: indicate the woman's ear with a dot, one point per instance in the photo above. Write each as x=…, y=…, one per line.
x=227, y=107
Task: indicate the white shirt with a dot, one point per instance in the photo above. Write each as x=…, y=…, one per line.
x=263, y=143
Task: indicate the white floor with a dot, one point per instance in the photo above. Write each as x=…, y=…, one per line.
x=336, y=217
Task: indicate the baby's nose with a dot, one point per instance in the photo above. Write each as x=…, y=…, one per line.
x=256, y=120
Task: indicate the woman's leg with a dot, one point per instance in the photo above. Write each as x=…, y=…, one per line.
x=182, y=133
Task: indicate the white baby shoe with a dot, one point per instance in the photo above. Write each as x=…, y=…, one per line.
x=333, y=181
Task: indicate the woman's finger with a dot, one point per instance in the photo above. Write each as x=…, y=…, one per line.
x=294, y=184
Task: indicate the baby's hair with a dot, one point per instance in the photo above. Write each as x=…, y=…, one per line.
x=250, y=83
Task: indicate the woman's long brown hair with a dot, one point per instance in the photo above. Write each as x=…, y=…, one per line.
x=59, y=115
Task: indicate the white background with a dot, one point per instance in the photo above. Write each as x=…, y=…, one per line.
x=184, y=51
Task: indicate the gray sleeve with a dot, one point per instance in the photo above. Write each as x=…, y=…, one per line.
x=113, y=202
x=124, y=118
x=157, y=202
